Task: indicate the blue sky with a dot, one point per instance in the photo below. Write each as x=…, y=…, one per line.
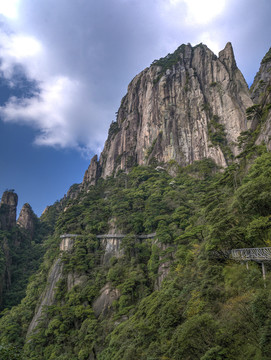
x=66, y=64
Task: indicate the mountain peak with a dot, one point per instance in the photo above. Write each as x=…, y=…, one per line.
x=186, y=106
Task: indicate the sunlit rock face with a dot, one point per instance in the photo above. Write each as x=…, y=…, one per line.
x=261, y=94
x=8, y=207
x=262, y=81
x=176, y=110
x=93, y=172
x=26, y=219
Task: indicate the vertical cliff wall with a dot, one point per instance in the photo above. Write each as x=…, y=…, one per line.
x=261, y=94
x=187, y=106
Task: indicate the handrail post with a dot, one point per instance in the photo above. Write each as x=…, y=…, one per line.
x=264, y=274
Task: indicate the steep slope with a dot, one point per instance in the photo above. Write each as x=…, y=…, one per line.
x=185, y=107
x=261, y=94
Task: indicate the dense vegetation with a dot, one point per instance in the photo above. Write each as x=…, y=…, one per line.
x=207, y=307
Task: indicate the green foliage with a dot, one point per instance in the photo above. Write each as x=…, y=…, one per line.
x=170, y=60
x=206, y=308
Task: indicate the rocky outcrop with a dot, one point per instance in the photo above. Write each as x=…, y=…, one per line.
x=259, y=88
x=55, y=274
x=261, y=94
x=74, y=279
x=67, y=242
x=187, y=106
x=107, y=296
x=27, y=220
x=93, y=172
x=166, y=258
x=8, y=207
x=48, y=296
x=112, y=247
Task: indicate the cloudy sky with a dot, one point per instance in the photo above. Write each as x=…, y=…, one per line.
x=66, y=64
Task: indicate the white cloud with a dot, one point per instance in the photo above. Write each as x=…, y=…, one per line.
x=54, y=112
x=20, y=49
x=194, y=12
x=9, y=8
x=203, y=11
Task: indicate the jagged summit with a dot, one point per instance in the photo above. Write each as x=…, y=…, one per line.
x=186, y=106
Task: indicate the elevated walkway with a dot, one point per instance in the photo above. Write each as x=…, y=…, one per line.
x=251, y=254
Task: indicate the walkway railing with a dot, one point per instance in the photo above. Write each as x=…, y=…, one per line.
x=121, y=236
x=253, y=254
x=111, y=236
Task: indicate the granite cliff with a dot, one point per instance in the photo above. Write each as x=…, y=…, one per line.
x=27, y=220
x=185, y=107
x=261, y=95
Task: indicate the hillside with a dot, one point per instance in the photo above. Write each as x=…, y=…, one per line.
x=184, y=178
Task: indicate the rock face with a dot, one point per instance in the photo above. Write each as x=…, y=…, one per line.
x=67, y=242
x=261, y=94
x=8, y=207
x=187, y=106
x=165, y=261
x=112, y=248
x=27, y=219
x=93, y=172
x=105, y=300
x=55, y=274
x=262, y=81
x=48, y=296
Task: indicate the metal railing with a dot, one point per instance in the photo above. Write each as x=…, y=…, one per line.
x=252, y=254
x=111, y=236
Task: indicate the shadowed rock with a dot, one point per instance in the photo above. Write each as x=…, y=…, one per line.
x=8, y=207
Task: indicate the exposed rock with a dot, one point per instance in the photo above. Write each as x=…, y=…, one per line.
x=48, y=296
x=8, y=207
x=103, y=303
x=27, y=219
x=262, y=81
x=67, y=242
x=112, y=248
x=73, y=192
x=74, y=279
x=93, y=172
x=265, y=134
x=261, y=94
x=172, y=108
x=165, y=260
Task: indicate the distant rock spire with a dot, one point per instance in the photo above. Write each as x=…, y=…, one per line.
x=26, y=219
x=8, y=207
